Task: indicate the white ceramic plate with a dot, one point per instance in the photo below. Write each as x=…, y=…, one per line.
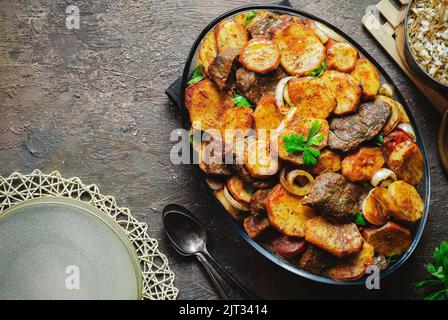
x=60, y=248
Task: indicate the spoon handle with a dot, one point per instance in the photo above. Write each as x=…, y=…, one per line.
x=228, y=287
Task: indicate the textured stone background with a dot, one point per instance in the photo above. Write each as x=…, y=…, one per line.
x=91, y=103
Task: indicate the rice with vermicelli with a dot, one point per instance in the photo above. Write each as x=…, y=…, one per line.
x=428, y=36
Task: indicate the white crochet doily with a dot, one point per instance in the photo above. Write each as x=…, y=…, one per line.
x=157, y=277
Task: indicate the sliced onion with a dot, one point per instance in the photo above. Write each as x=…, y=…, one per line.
x=320, y=33
x=215, y=184
x=279, y=92
x=286, y=120
x=286, y=97
x=289, y=184
x=383, y=178
x=406, y=127
x=387, y=90
x=233, y=202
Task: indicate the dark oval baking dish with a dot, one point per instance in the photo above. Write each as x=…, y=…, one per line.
x=411, y=60
x=423, y=188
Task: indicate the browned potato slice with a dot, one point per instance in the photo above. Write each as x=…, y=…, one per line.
x=362, y=165
x=367, y=76
x=239, y=190
x=267, y=115
x=260, y=55
x=328, y=161
x=353, y=267
x=341, y=56
x=259, y=160
x=205, y=104
x=231, y=34
x=377, y=206
x=312, y=97
x=339, y=239
x=392, y=140
x=347, y=89
x=390, y=239
x=408, y=203
x=286, y=212
x=300, y=126
x=207, y=51
x=406, y=161
x=235, y=213
x=239, y=121
x=301, y=50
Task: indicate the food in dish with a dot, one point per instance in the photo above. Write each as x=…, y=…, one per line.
x=333, y=187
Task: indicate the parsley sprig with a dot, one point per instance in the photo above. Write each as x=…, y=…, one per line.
x=297, y=144
x=250, y=15
x=379, y=140
x=198, y=75
x=359, y=219
x=439, y=274
x=240, y=101
x=319, y=70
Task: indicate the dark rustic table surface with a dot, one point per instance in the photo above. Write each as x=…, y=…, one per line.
x=91, y=103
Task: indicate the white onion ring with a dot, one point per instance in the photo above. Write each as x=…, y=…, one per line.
x=233, y=202
x=406, y=127
x=286, y=120
x=383, y=177
x=215, y=185
x=279, y=92
x=288, y=184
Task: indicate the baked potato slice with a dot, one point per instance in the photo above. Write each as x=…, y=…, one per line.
x=392, y=140
x=347, y=90
x=328, y=161
x=238, y=121
x=300, y=126
x=312, y=97
x=408, y=203
x=259, y=159
x=267, y=115
x=230, y=34
x=367, y=76
x=206, y=105
x=287, y=213
x=301, y=50
x=239, y=190
x=406, y=160
x=341, y=56
x=340, y=240
x=353, y=267
x=377, y=206
x=260, y=55
x=390, y=239
x=207, y=51
x=362, y=164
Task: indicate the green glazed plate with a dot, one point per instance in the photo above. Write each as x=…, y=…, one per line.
x=60, y=248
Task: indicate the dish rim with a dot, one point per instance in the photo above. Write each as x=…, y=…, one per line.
x=426, y=186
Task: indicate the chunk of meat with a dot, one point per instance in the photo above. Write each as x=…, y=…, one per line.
x=258, y=202
x=254, y=85
x=316, y=260
x=328, y=161
x=267, y=115
x=287, y=213
x=256, y=227
x=362, y=164
x=212, y=160
x=288, y=247
x=301, y=50
x=340, y=240
x=335, y=197
x=312, y=97
x=254, y=182
x=341, y=56
x=353, y=267
x=368, y=77
x=348, y=132
x=347, y=90
x=260, y=25
x=222, y=69
x=390, y=239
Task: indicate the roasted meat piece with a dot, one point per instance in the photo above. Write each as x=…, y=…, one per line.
x=256, y=227
x=260, y=26
x=335, y=197
x=316, y=260
x=257, y=202
x=346, y=133
x=222, y=69
x=253, y=85
x=212, y=158
x=289, y=247
x=254, y=182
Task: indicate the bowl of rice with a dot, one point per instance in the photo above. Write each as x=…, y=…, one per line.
x=426, y=34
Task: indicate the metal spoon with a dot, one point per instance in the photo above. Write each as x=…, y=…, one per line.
x=188, y=238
